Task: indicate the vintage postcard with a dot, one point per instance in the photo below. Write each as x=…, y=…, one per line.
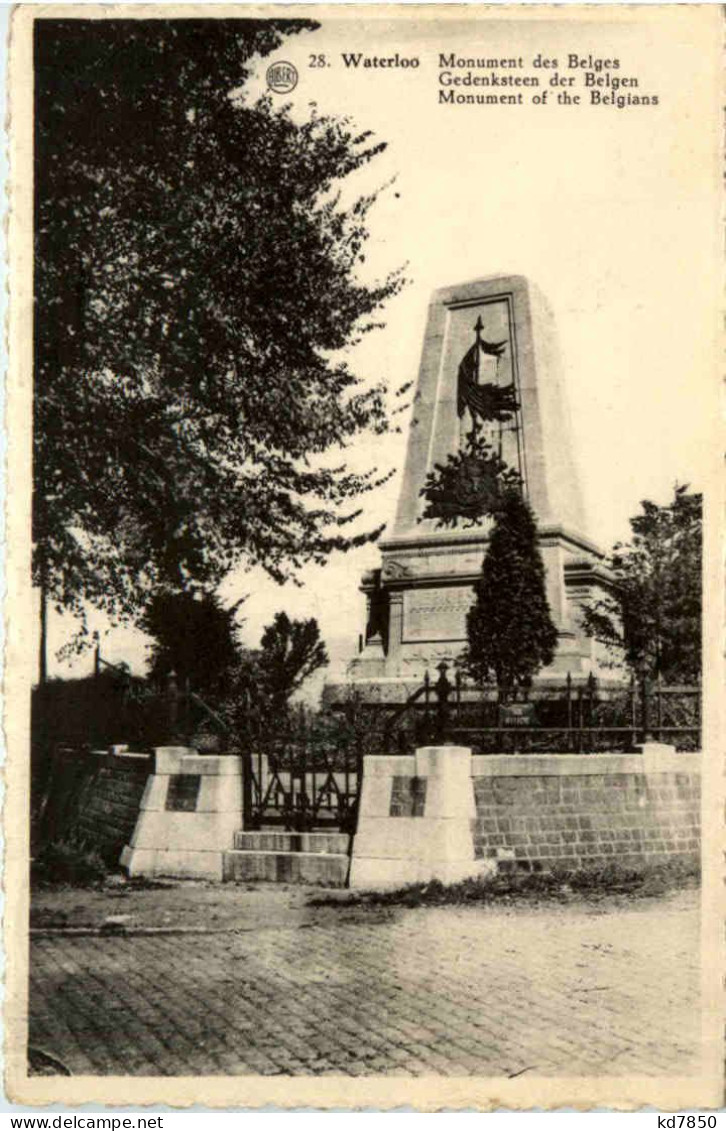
x=364, y=605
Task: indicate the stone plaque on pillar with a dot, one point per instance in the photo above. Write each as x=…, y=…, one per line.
x=182, y=794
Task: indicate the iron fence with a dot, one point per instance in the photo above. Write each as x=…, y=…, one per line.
x=578, y=718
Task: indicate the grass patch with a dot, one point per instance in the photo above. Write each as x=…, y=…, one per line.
x=68, y=862
x=145, y=883
x=559, y=885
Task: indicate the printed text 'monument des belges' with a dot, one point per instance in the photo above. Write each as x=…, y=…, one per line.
x=595, y=72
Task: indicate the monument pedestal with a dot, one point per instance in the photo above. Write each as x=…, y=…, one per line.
x=190, y=811
x=418, y=600
x=425, y=588
x=415, y=820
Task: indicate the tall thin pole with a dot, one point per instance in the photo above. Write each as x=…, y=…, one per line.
x=43, y=654
x=477, y=370
x=500, y=422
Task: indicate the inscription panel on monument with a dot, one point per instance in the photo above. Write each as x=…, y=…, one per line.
x=436, y=614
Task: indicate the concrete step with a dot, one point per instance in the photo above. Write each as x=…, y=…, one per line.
x=328, y=868
x=267, y=840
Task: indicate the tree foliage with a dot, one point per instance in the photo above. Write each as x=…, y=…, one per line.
x=197, y=277
x=509, y=629
x=290, y=651
x=653, y=623
x=195, y=637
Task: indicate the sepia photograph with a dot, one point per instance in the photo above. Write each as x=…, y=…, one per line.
x=364, y=617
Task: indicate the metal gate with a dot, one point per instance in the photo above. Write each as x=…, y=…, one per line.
x=299, y=787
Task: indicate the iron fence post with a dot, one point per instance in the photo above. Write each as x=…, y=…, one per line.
x=658, y=706
x=304, y=800
x=172, y=706
x=457, y=683
x=359, y=763
x=646, y=710
x=187, y=707
x=261, y=785
x=579, y=720
x=443, y=690
x=427, y=703
x=246, y=787
x=591, y=691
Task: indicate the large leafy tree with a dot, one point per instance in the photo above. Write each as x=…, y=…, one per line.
x=509, y=628
x=197, y=279
x=653, y=623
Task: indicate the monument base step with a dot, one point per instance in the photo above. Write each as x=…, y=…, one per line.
x=275, y=840
x=292, y=867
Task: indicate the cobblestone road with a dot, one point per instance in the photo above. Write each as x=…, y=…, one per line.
x=478, y=991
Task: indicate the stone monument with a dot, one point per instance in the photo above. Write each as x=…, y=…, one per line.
x=491, y=338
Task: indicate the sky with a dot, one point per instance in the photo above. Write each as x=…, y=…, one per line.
x=611, y=212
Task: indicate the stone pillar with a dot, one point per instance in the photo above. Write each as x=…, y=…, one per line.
x=190, y=811
x=415, y=820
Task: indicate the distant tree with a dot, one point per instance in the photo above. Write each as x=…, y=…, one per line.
x=267, y=677
x=509, y=629
x=196, y=279
x=653, y=623
x=194, y=636
x=290, y=651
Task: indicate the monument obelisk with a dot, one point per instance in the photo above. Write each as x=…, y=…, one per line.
x=486, y=338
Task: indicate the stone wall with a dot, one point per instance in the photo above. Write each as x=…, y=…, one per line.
x=94, y=797
x=110, y=809
x=536, y=812
x=529, y=812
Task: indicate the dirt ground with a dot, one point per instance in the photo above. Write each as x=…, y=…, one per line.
x=190, y=905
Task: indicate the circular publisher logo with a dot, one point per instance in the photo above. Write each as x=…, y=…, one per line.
x=281, y=77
